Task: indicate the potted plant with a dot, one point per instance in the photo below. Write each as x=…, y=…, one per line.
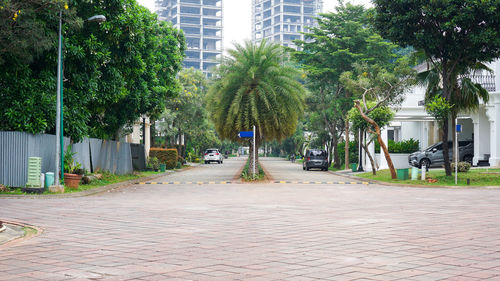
x=153, y=164
x=73, y=171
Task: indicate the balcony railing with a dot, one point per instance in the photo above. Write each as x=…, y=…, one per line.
x=487, y=81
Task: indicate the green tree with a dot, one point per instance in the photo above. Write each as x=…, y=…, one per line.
x=255, y=87
x=465, y=94
x=385, y=86
x=114, y=72
x=381, y=115
x=340, y=40
x=452, y=34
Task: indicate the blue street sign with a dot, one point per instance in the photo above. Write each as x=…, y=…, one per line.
x=247, y=134
x=459, y=128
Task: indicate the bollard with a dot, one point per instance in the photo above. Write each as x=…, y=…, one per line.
x=414, y=173
x=468, y=181
x=424, y=169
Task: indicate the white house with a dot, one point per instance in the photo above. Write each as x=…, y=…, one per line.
x=483, y=126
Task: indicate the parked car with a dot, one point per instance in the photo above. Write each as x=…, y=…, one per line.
x=433, y=155
x=315, y=158
x=213, y=155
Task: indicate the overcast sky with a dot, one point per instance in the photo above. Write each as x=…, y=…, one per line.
x=237, y=18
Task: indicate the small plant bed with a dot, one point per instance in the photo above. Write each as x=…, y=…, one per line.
x=248, y=176
x=477, y=177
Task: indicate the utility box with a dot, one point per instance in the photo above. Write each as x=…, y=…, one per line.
x=34, y=170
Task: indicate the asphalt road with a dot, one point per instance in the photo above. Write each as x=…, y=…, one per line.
x=258, y=231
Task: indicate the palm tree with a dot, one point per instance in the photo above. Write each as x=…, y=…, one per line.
x=255, y=87
x=465, y=93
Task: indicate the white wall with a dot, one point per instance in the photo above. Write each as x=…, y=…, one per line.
x=412, y=130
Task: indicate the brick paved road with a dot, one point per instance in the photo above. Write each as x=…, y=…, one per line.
x=259, y=232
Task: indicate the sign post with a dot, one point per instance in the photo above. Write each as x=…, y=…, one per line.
x=250, y=134
x=254, y=151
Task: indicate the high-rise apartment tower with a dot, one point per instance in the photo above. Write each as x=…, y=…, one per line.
x=283, y=20
x=201, y=21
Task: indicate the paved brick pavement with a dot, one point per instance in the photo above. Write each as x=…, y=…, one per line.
x=258, y=232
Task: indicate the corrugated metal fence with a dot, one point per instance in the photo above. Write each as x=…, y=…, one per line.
x=93, y=154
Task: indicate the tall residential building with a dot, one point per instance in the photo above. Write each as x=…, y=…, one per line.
x=201, y=21
x=283, y=20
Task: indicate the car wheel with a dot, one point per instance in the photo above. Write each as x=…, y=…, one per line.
x=425, y=162
x=307, y=168
x=468, y=158
x=303, y=168
x=206, y=162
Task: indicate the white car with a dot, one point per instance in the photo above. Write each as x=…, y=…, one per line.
x=213, y=155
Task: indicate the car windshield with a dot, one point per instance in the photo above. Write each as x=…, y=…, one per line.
x=318, y=153
x=211, y=151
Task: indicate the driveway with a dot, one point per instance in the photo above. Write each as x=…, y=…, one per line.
x=258, y=232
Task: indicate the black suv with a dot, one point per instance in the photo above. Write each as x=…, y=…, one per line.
x=315, y=158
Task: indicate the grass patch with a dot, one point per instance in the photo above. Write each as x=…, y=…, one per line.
x=478, y=177
x=28, y=231
x=107, y=179
x=247, y=175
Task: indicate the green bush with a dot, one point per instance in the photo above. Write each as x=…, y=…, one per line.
x=171, y=160
x=153, y=163
x=463, y=167
x=158, y=153
x=404, y=146
x=353, y=152
x=179, y=165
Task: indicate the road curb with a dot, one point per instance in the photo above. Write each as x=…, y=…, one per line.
x=94, y=191
x=411, y=185
x=18, y=240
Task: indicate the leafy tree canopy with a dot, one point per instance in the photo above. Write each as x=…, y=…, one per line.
x=113, y=71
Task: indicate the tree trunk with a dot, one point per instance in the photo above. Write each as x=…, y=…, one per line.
x=336, y=156
x=379, y=137
x=365, y=147
x=152, y=134
x=346, y=147
x=446, y=95
x=329, y=151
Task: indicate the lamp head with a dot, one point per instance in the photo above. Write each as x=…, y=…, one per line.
x=97, y=18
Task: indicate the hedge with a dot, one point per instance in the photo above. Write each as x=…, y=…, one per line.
x=165, y=156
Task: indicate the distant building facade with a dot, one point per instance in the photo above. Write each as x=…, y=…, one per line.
x=201, y=21
x=282, y=21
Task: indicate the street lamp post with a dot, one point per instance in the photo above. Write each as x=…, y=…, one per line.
x=59, y=103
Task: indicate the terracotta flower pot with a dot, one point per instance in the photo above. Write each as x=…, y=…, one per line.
x=72, y=180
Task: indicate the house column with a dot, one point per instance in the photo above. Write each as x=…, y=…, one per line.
x=493, y=113
x=147, y=137
x=475, y=122
x=383, y=162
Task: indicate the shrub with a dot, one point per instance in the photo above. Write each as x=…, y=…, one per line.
x=179, y=165
x=353, y=152
x=463, y=167
x=171, y=158
x=159, y=153
x=404, y=146
x=153, y=163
